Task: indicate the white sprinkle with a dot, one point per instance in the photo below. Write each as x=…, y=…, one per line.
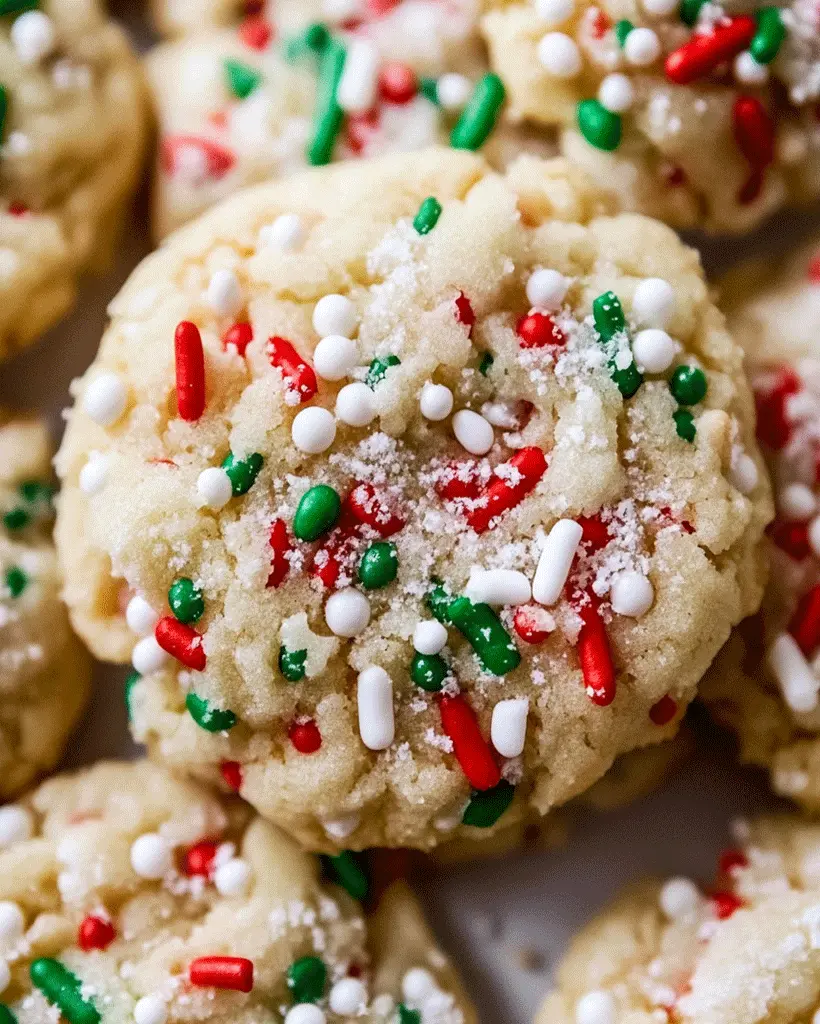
x=313, y=430
x=286, y=233
x=341, y=828
x=546, y=289
x=642, y=47
x=32, y=36
x=151, y=856
x=224, y=295
x=654, y=350
x=374, y=694
x=335, y=314
x=150, y=1010
x=356, y=91
x=305, y=1013
x=94, y=474
x=559, y=55
x=140, y=616
x=555, y=561
x=631, y=594
x=653, y=302
x=797, y=502
x=506, y=415
x=596, y=1007
x=744, y=476
x=748, y=71
x=473, y=432
x=104, y=399
x=233, y=877
x=508, y=728
x=418, y=985
x=16, y=825
x=660, y=8
x=335, y=356
x=148, y=656
x=554, y=12
x=798, y=683
x=453, y=90
x=436, y=402
x=214, y=487
x=356, y=404
x=347, y=612
x=616, y=93
x=429, y=637
x=348, y=998
x=679, y=898
x=5, y=975
x=12, y=922
x=498, y=586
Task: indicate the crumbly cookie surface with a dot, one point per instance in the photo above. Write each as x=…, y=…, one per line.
x=128, y=895
x=745, y=950
x=413, y=473
x=44, y=672
x=700, y=114
x=72, y=132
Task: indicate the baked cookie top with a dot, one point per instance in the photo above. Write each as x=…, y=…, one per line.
x=422, y=470
x=128, y=895
x=699, y=113
x=745, y=950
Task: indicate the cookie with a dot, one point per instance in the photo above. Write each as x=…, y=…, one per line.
x=700, y=116
x=406, y=488
x=743, y=951
x=129, y=895
x=44, y=671
x=249, y=103
x=72, y=127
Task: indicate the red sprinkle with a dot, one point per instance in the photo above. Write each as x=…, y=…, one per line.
x=704, y=52
x=298, y=374
x=472, y=751
x=397, y=82
x=664, y=711
x=527, y=625
x=805, y=623
x=231, y=972
x=231, y=772
x=181, y=642
x=459, y=480
x=367, y=506
x=793, y=538
x=725, y=904
x=502, y=494
x=812, y=271
x=280, y=546
x=218, y=159
x=240, y=336
x=730, y=860
x=464, y=313
x=17, y=209
x=190, y=371
x=360, y=129
x=595, y=535
x=537, y=330
x=95, y=933
x=595, y=655
x=199, y=859
x=305, y=736
x=255, y=32
x=754, y=134
x=773, y=426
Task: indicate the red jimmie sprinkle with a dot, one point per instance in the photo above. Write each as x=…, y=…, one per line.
x=528, y=623
x=190, y=371
x=793, y=538
x=231, y=772
x=706, y=51
x=773, y=426
x=232, y=972
x=95, y=933
x=725, y=904
x=459, y=480
x=367, y=506
x=805, y=623
x=360, y=129
x=181, y=642
x=280, y=548
x=255, y=32
x=595, y=656
x=471, y=749
x=595, y=534
x=240, y=336
x=731, y=860
x=18, y=209
x=754, y=134
x=664, y=711
x=199, y=859
x=297, y=373
x=464, y=313
x=397, y=82
x=537, y=330
x=505, y=492
x=218, y=159
x=305, y=736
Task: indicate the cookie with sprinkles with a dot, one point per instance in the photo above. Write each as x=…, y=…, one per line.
x=312, y=84
x=420, y=523
x=129, y=895
x=699, y=113
x=72, y=129
x=44, y=671
x=743, y=949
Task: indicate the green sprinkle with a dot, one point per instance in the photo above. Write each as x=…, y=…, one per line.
x=688, y=385
x=242, y=79
x=242, y=472
x=379, y=565
x=16, y=519
x=130, y=683
x=16, y=580
x=628, y=380
x=348, y=872
x=769, y=36
x=208, y=718
x=35, y=492
x=484, y=809
x=428, y=215
x=306, y=979
x=6, y=1016
x=608, y=314
x=489, y=639
x=313, y=41
x=428, y=87
x=689, y=11
x=622, y=30
x=16, y=6
x=407, y=1016
x=327, y=115
x=438, y=601
x=600, y=127
x=185, y=600
x=485, y=364
x=62, y=988
x=479, y=116
x=429, y=671
x=317, y=512
x=292, y=664
x=378, y=368
x=685, y=424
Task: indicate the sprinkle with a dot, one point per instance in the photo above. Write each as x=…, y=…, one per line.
x=435, y=402
x=559, y=55
x=292, y=663
x=595, y=656
x=347, y=613
x=317, y=513
x=356, y=91
x=379, y=565
x=181, y=642
x=498, y=586
x=367, y=506
x=131, y=681
x=313, y=430
x=398, y=82
x=16, y=580
x=689, y=11
x=688, y=385
x=754, y=133
x=622, y=30
x=452, y=90
x=151, y=1009
x=596, y=1007
x=378, y=368
x=199, y=859
x=485, y=808
x=508, y=728
x=679, y=898
x=335, y=314
x=428, y=671
x=610, y=321
x=616, y=93
x=546, y=289
x=748, y=71
x=335, y=357
x=794, y=675
x=487, y=636
x=724, y=904
x=255, y=32
x=600, y=127
x=374, y=696
x=707, y=50
x=805, y=623
x=233, y=877
x=642, y=47
x=631, y=594
x=95, y=933
x=769, y=35
x=327, y=115
x=653, y=302
x=214, y=487
x=287, y=233
x=472, y=751
x=151, y=856
x=427, y=216
x=306, y=979
x=500, y=495
x=147, y=656
x=554, y=12
x=663, y=711
x=355, y=405
x=349, y=873
x=654, y=350
x=190, y=371
x=12, y=922
x=32, y=36
x=224, y=295
x=429, y=637
x=685, y=424
x=207, y=717
x=104, y=399
x=16, y=519
x=185, y=600
x=16, y=825
x=533, y=624
x=473, y=432
x=94, y=474
x=280, y=548
x=538, y=330
x=242, y=79
x=305, y=1013
x=479, y=116
x=796, y=501
x=140, y=616
x=305, y=736
x=348, y=997
x=223, y=972
x=242, y=472
x=297, y=374
x=417, y=985
x=466, y=316
x=62, y=988
x=231, y=772
x=177, y=151
x=555, y=561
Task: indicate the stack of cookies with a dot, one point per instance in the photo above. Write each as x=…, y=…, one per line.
x=422, y=479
